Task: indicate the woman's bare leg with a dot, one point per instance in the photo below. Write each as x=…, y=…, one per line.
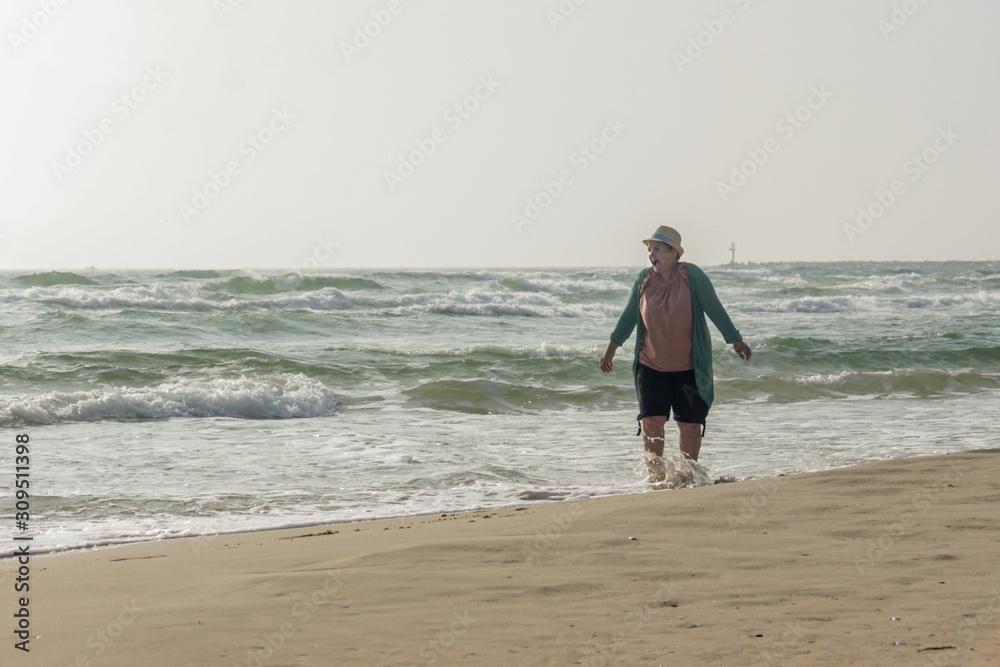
x=652, y=442
x=690, y=439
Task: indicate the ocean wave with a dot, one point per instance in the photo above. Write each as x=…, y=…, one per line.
x=555, y=284
x=458, y=274
x=894, y=282
x=856, y=385
x=785, y=281
x=488, y=351
x=293, y=282
x=492, y=395
x=935, y=352
x=180, y=298
x=153, y=297
x=488, y=396
x=197, y=274
x=189, y=297
x=144, y=367
x=325, y=299
x=287, y=397
x=483, y=302
x=809, y=304
x=866, y=351
x=866, y=303
x=52, y=278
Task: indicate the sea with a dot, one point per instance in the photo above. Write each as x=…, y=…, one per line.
x=161, y=404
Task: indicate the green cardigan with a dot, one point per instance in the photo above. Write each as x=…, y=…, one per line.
x=704, y=302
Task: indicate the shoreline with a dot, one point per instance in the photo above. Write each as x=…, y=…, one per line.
x=115, y=544
x=768, y=571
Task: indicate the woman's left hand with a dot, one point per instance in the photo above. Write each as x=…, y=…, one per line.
x=742, y=349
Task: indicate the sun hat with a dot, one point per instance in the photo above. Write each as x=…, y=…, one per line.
x=667, y=235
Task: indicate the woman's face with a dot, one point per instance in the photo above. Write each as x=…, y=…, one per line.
x=662, y=256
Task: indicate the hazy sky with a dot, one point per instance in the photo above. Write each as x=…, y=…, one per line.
x=474, y=133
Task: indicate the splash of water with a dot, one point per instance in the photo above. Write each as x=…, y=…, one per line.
x=674, y=471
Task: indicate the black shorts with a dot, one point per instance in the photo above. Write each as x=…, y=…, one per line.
x=660, y=392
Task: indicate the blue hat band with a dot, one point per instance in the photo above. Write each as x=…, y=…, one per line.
x=661, y=237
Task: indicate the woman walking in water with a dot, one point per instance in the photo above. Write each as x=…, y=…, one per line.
x=673, y=349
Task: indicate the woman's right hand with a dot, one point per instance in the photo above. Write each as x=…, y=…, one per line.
x=606, y=358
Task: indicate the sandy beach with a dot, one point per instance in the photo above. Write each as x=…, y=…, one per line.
x=886, y=563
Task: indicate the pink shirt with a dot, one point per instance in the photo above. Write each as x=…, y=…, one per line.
x=666, y=309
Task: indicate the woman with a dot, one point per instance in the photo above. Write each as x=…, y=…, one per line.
x=673, y=350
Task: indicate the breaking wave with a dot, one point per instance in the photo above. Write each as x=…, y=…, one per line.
x=289, y=397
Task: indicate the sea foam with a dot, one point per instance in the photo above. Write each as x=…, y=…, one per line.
x=287, y=397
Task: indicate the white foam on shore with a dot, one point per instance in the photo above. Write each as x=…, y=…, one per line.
x=674, y=471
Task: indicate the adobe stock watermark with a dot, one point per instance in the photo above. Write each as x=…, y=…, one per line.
x=914, y=167
x=581, y=158
x=969, y=628
x=899, y=17
x=33, y=24
x=559, y=524
x=563, y=12
x=224, y=7
x=777, y=653
x=455, y=116
x=895, y=531
x=249, y=149
x=712, y=30
x=200, y=543
x=445, y=640
x=635, y=619
x=101, y=640
x=766, y=489
x=121, y=108
x=786, y=126
x=364, y=35
x=301, y=612
x=323, y=252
